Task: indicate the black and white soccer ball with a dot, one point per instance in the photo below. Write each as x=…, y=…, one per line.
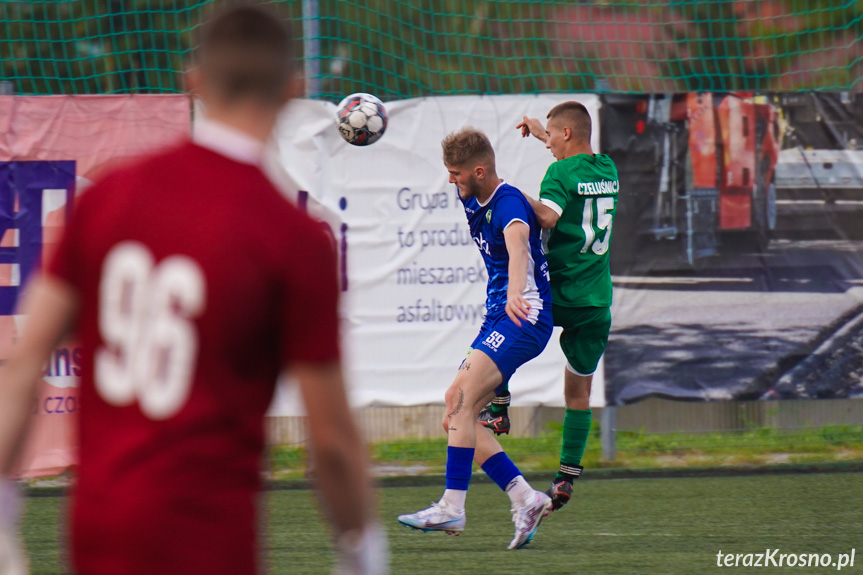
x=361, y=119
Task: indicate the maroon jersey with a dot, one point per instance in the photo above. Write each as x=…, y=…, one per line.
x=197, y=282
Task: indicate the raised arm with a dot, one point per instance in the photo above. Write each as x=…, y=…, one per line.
x=311, y=353
x=337, y=450
x=517, y=238
x=341, y=471
x=50, y=306
x=532, y=127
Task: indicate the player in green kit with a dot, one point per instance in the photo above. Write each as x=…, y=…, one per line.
x=577, y=202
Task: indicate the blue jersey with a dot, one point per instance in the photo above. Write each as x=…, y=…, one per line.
x=487, y=223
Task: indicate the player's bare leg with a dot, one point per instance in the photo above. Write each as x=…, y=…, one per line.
x=576, y=430
x=475, y=381
x=472, y=388
x=487, y=444
x=528, y=505
x=576, y=390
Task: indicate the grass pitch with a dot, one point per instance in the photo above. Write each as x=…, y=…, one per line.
x=627, y=526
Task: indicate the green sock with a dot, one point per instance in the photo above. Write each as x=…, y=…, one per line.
x=500, y=402
x=576, y=429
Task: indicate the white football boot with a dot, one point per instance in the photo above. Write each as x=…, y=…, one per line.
x=439, y=517
x=527, y=518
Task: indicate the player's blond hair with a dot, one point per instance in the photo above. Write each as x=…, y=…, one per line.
x=246, y=51
x=574, y=116
x=468, y=146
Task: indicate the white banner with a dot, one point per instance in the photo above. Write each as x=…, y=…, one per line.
x=415, y=293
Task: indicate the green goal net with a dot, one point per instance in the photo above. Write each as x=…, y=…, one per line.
x=409, y=48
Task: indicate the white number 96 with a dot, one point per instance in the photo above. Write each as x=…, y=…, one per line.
x=151, y=345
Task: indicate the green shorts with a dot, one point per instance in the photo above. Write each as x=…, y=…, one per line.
x=585, y=334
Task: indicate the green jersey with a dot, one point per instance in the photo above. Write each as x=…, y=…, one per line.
x=583, y=190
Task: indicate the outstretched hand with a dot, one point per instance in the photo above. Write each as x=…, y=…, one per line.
x=531, y=126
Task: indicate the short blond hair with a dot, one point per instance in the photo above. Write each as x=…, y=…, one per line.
x=467, y=146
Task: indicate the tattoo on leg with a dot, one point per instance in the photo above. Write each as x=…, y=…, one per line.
x=460, y=403
x=464, y=367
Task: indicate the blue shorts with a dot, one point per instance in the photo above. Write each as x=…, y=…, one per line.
x=510, y=346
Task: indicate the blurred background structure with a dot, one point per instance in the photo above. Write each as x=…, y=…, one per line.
x=409, y=48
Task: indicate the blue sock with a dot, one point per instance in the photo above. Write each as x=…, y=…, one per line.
x=501, y=469
x=459, y=465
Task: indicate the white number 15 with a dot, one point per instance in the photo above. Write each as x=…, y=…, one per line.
x=603, y=222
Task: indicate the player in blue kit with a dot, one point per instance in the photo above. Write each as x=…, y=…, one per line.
x=517, y=326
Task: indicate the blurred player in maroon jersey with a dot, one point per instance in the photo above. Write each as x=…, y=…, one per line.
x=192, y=283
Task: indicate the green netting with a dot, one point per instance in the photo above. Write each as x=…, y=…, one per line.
x=408, y=48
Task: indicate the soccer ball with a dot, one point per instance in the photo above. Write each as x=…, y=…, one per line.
x=361, y=119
